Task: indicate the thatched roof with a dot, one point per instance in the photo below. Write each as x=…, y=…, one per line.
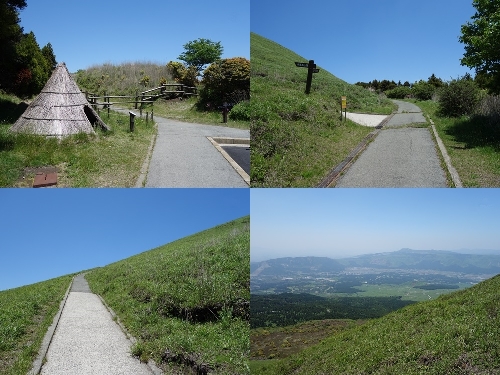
x=59, y=110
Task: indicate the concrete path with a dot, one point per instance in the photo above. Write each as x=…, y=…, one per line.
x=88, y=341
x=402, y=157
x=184, y=157
x=408, y=113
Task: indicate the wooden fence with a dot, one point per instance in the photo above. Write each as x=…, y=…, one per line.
x=140, y=100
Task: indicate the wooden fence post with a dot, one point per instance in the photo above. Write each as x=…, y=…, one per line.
x=136, y=98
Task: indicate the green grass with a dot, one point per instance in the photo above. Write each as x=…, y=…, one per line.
x=472, y=144
x=25, y=315
x=454, y=334
x=189, y=297
x=406, y=291
x=297, y=138
x=102, y=160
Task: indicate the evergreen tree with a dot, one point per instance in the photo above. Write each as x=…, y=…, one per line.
x=434, y=81
x=10, y=35
x=48, y=53
x=32, y=67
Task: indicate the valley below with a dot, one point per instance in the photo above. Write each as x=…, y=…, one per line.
x=297, y=302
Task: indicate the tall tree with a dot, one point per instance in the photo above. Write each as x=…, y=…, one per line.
x=10, y=35
x=201, y=52
x=481, y=38
x=48, y=53
x=435, y=81
x=33, y=68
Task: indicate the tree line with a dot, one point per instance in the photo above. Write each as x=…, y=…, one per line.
x=288, y=308
x=24, y=67
x=386, y=85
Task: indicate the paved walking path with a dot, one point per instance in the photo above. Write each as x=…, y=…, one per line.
x=398, y=157
x=88, y=341
x=184, y=157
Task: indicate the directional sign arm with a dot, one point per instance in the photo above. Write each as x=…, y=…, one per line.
x=301, y=65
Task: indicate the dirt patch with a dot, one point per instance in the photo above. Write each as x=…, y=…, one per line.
x=281, y=342
x=428, y=359
x=190, y=360
x=205, y=314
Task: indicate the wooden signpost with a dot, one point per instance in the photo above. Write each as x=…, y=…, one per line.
x=343, y=107
x=311, y=68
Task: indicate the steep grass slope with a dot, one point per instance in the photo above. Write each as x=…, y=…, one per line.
x=297, y=138
x=187, y=302
x=25, y=314
x=455, y=334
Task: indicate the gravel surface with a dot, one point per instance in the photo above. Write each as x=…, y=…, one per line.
x=397, y=158
x=88, y=341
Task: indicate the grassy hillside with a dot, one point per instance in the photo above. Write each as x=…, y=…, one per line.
x=187, y=302
x=298, y=138
x=122, y=79
x=25, y=315
x=455, y=334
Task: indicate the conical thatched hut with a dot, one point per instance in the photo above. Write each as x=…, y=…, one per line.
x=59, y=110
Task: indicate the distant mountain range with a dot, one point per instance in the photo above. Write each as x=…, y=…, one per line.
x=437, y=260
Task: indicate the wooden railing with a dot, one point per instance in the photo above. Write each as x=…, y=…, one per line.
x=168, y=91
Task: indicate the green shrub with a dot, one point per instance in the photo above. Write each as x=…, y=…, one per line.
x=226, y=80
x=423, y=90
x=241, y=111
x=459, y=97
x=182, y=74
x=399, y=92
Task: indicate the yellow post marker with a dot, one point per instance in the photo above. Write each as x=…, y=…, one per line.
x=343, y=107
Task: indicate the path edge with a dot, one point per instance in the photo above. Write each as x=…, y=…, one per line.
x=151, y=363
x=244, y=175
x=333, y=175
x=141, y=180
x=447, y=160
x=47, y=339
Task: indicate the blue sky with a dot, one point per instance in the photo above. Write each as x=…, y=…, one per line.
x=345, y=222
x=85, y=33
x=45, y=233
x=362, y=40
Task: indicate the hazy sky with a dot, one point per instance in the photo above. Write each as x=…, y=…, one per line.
x=45, y=233
x=362, y=40
x=84, y=33
x=344, y=222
